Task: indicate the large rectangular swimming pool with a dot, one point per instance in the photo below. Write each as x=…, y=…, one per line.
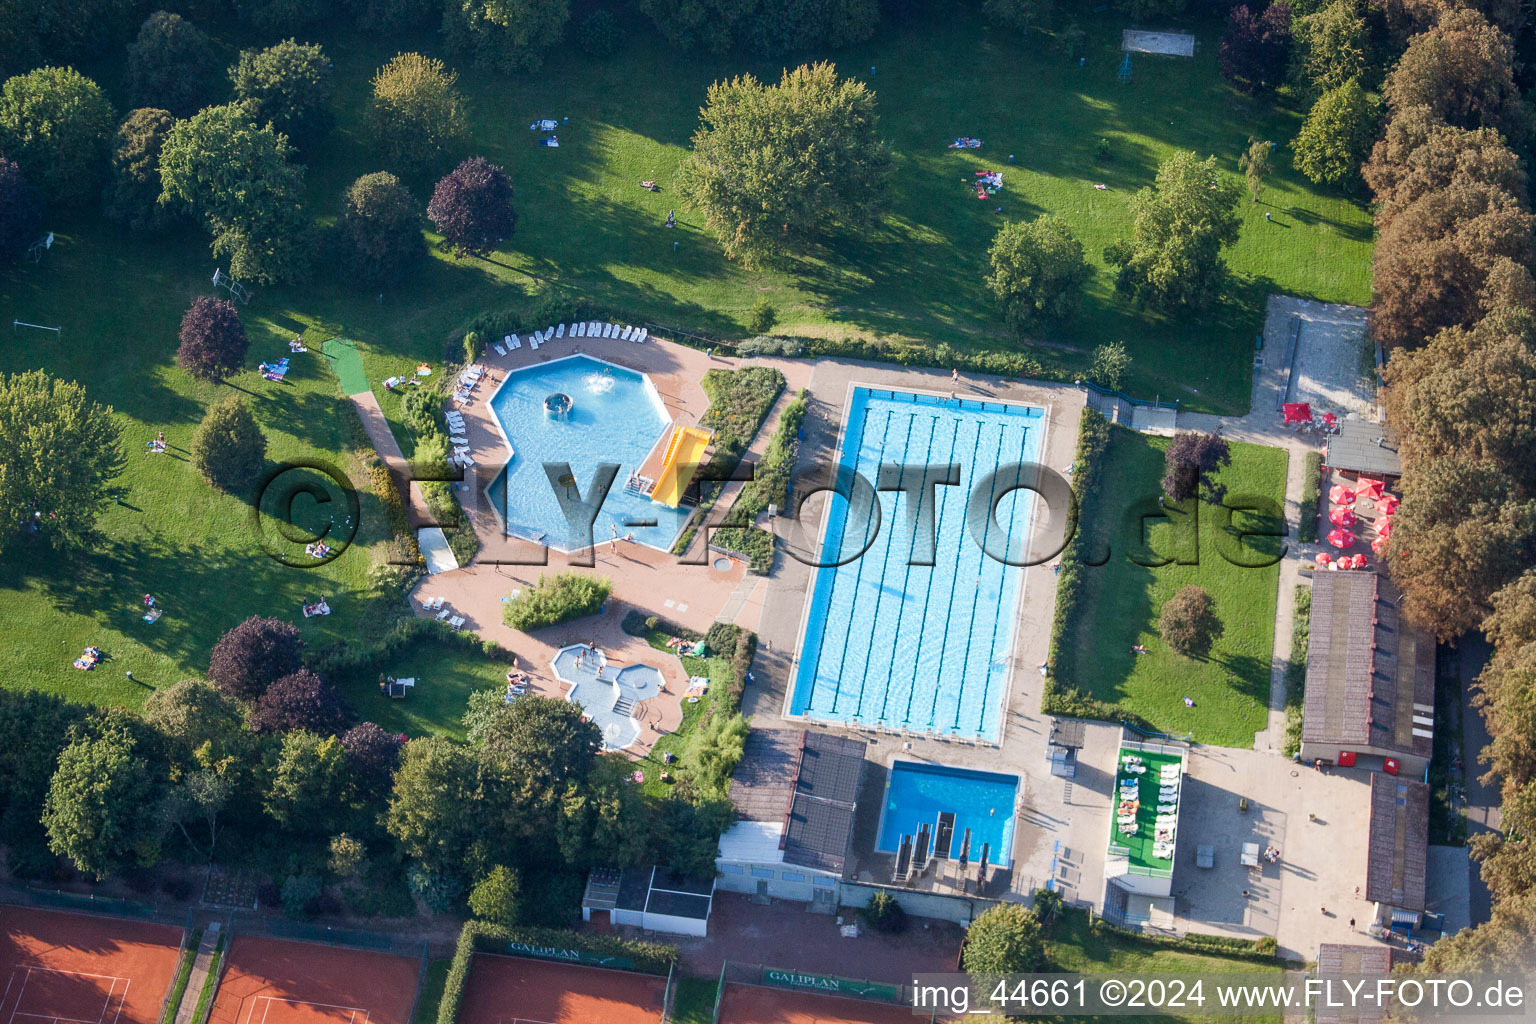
x=924, y=648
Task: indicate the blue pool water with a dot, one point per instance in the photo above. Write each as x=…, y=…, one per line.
x=616, y=417
x=981, y=801
x=920, y=647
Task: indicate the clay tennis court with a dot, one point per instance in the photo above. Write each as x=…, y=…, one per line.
x=512, y=990
x=62, y=968
x=751, y=1004
x=271, y=981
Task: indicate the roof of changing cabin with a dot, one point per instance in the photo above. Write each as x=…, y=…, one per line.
x=808, y=782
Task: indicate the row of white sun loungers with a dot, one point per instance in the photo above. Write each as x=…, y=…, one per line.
x=459, y=438
x=435, y=604
x=585, y=329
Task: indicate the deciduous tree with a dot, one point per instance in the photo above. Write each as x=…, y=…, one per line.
x=437, y=779
x=1461, y=533
x=212, y=339
x=1173, y=257
x=56, y=124
x=311, y=785
x=1420, y=154
x=1255, y=47
x=378, y=236
x=194, y=713
x=1336, y=135
x=495, y=897
x=61, y=453
x=283, y=15
x=238, y=177
x=289, y=85
x=417, y=113
x=1004, y=939
x=1257, y=164
x=1188, y=622
x=1038, y=272
x=132, y=194
x=249, y=657
x=374, y=755
x=172, y=65
x=1191, y=464
x=103, y=803
x=1462, y=69
x=472, y=207
x=759, y=148
x=1331, y=45
x=505, y=35
x=304, y=701
x=228, y=449
x=1470, y=394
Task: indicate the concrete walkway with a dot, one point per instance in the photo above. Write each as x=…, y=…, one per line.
x=198, y=979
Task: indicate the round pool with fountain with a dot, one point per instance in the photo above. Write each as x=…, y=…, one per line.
x=609, y=415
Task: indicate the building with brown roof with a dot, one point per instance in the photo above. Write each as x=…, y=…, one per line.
x=1398, y=859
x=1370, y=692
x=1341, y=960
x=795, y=792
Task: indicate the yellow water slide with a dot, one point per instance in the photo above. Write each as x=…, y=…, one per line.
x=685, y=452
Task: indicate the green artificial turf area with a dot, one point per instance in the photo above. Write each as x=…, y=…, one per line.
x=1075, y=947
x=1121, y=599
x=1142, y=842
x=587, y=228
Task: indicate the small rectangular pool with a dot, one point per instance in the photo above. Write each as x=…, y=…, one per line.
x=917, y=793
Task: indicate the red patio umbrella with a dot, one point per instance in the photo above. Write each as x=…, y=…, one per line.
x=1323, y=558
x=1297, y=412
x=1344, y=517
x=1341, y=495
x=1369, y=488
x=1330, y=420
x=1387, y=504
x=1384, y=526
x=1341, y=538
x=1379, y=545
x=1357, y=562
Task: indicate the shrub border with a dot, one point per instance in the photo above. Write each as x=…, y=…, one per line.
x=1311, y=487
x=1057, y=696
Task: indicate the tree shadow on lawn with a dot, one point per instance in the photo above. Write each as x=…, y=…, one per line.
x=1358, y=231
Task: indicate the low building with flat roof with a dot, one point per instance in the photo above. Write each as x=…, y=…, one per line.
x=1363, y=446
x=795, y=792
x=1398, y=859
x=655, y=898
x=1370, y=690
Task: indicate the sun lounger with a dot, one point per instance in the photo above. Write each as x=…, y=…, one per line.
x=455, y=419
x=560, y=331
x=456, y=621
x=533, y=341
x=549, y=332
x=462, y=451
x=513, y=342
x=607, y=330
x=443, y=615
x=644, y=333
x=499, y=350
x=579, y=329
x=437, y=602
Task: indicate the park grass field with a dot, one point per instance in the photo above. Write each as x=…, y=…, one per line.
x=1121, y=599
x=589, y=230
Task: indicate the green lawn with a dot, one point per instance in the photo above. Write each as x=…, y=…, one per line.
x=445, y=674
x=695, y=1002
x=1075, y=948
x=586, y=224
x=680, y=740
x=431, y=993
x=1121, y=599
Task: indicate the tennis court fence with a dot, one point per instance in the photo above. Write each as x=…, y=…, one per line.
x=735, y=973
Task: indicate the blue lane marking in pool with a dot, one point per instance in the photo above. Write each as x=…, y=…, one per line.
x=922, y=648
x=616, y=417
x=981, y=801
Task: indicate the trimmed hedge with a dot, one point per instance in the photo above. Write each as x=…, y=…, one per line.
x=1311, y=486
x=1296, y=669
x=769, y=486
x=556, y=597
x=409, y=631
x=1058, y=696
x=739, y=401
x=484, y=937
x=1263, y=950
